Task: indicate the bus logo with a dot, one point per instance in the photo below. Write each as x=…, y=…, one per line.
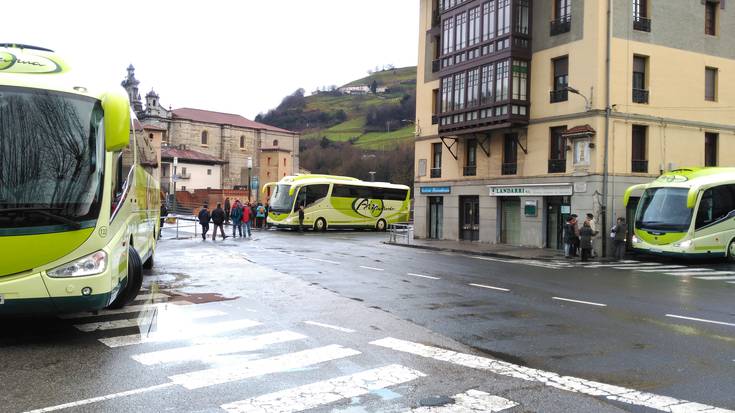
x=369, y=208
x=27, y=64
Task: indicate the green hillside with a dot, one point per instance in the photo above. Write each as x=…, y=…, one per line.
x=400, y=82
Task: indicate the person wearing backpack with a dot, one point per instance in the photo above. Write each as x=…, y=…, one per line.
x=260, y=215
x=204, y=218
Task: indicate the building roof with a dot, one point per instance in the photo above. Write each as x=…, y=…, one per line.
x=579, y=131
x=220, y=118
x=170, y=152
x=153, y=127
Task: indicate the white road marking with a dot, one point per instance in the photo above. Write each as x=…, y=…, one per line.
x=423, y=276
x=324, y=392
x=125, y=310
x=223, y=346
x=618, y=264
x=179, y=332
x=471, y=401
x=115, y=324
x=701, y=320
x=254, y=368
x=333, y=327
x=102, y=398
x=662, y=268
x=372, y=268
x=634, y=266
x=572, y=384
x=674, y=272
x=718, y=276
x=731, y=282
x=579, y=302
x=322, y=260
x=490, y=287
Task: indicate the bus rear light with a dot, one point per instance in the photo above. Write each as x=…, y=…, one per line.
x=92, y=264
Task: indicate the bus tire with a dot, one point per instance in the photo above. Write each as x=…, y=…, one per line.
x=380, y=225
x=320, y=225
x=148, y=264
x=731, y=251
x=135, y=281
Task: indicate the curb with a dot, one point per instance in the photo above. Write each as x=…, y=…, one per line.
x=460, y=251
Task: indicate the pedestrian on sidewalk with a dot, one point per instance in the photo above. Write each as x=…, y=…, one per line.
x=301, y=218
x=593, y=225
x=568, y=237
x=227, y=209
x=575, y=238
x=619, y=235
x=246, y=215
x=585, y=235
x=236, y=216
x=218, y=218
x=204, y=218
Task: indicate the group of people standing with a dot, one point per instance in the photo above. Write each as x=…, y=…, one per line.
x=580, y=241
x=242, y=215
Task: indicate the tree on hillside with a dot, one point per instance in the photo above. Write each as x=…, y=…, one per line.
x=374, y=87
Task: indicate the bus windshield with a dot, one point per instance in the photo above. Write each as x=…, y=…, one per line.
x=665, y=210
x=281, y=200
x=51, y=161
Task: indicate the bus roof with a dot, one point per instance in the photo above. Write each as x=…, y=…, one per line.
x=312, y=179
x=694, y=179
x=37, y=67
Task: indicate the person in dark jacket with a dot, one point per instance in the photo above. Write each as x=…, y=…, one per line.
x=218, y=217
x=620, y=236
x=568, y=237
x=204, y=218
x=227, y=209
x=164, y=213
x=585, y=243
x=301, y=218
x=236, y=216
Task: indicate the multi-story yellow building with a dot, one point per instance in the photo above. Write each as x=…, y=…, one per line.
x=528, y=111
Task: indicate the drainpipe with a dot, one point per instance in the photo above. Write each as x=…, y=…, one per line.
x=605, y=173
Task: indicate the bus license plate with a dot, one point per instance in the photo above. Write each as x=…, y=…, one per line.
x=2, y=299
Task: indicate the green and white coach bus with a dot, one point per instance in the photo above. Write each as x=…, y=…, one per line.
x=687, y=212
x=79, y=211
x=337, y=202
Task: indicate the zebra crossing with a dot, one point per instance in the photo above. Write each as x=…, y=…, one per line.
x=197, y=337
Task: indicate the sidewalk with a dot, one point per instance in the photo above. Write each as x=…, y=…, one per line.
x=485, y=249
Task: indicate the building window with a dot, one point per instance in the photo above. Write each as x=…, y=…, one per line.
x=284, y=161
x=640, y=163
x=487, y=84
x=562, y=22
x=641, y=21
x=461, y=25
x=710, y=17
x=501, y=86
x=470, y=168
x=522, y=17
x=436, y=160
x=448, y=36
x=446, y=103
x=510, y=155
x=558, y=150
x=275, y=142
x=503, y=17
x=560, y=93
x=710, y=149
x=183, y=188
x=488, y=21
x=205, y=138
x=268, y=174
x=520, y=80
x=150, y=136
x=183, y=171
x=475, y=26
x=640, y=91
x=473, y=87
x=209, y=172
x=710, y=84
x=459, y=91
x=164, y=137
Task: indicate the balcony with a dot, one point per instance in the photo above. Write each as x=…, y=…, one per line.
x=557, y=166
x=640, y=96
x=434, y=119
x=561, y=95
x=470, y=170
x=639, y=166
x=509, y=168
x=435, y=65
x=642, y=24
x=561, y=25
x=436, y=172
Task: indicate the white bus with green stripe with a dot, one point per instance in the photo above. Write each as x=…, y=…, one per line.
x=337, y=202
x=686, y=212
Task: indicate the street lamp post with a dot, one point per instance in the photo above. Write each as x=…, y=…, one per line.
x=250, y=170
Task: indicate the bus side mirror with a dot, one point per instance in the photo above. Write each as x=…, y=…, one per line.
x=117, y=121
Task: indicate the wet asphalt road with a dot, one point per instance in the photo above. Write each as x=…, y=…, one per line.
x=357, y=290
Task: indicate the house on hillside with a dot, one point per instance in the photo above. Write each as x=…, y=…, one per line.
x=355, y=90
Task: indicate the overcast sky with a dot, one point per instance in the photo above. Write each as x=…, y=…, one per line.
x=231, y=56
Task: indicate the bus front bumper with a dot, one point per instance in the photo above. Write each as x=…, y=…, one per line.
x=674, y=251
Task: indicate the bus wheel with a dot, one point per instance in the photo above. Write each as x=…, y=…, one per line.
x=135, y=280
x=380, y=226
x=148, y=264
x=320, y=225
x=731, y=251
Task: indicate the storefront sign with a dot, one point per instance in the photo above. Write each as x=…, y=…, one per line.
x=531, y=190
x=436, y=189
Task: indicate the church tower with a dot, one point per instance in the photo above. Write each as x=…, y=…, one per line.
x=131, y=86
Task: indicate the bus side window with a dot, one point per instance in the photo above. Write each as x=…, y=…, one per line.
x=315, y=193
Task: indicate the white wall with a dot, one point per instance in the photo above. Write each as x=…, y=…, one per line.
x=199, y=179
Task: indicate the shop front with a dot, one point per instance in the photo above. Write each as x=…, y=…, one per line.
x=435, y=213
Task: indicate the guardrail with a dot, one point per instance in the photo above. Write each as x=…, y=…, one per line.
x=400, y=231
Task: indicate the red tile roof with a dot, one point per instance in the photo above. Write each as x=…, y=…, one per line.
x=170, y=152
x=578, y=131
x=222, y=119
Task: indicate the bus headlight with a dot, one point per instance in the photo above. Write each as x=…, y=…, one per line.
x=92, y=264
x=635, y=239
x=684, y=244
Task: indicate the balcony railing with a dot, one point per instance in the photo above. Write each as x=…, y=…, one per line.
x=640, y=96
x=435, y=65
x=436, y=172
x=557, y=166
x=561, y=95
x=470, y=170
x=639, y=166
x=642, y=24
x=561, y=25
x=509, y=168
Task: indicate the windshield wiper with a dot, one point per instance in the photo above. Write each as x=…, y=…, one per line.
x=44, y=212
